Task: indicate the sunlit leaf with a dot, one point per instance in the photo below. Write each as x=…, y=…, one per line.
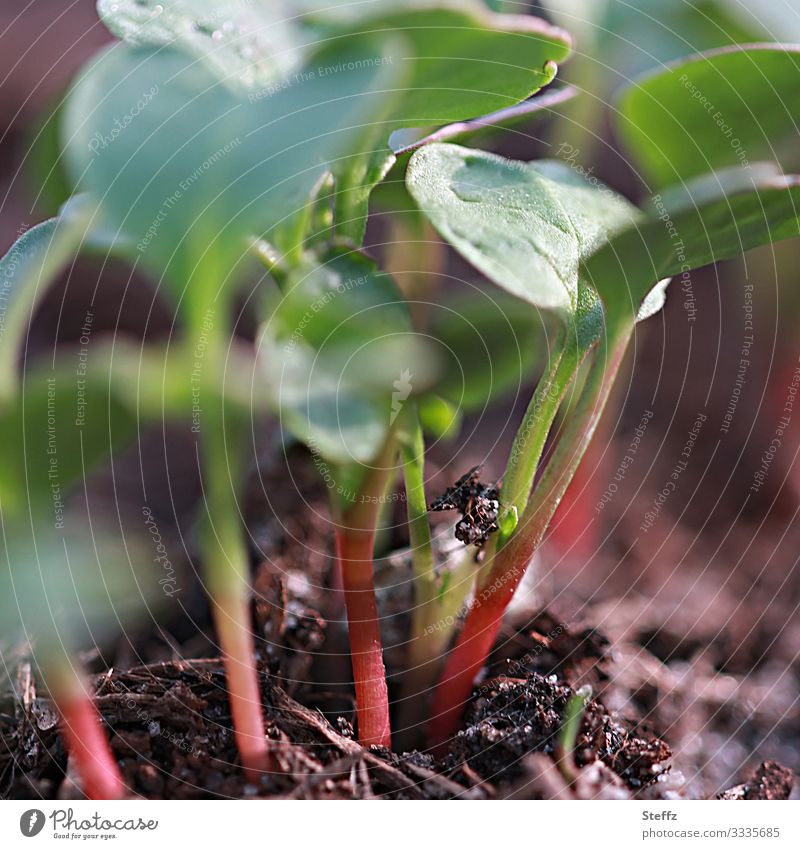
x=242, y=41
x=526, y=226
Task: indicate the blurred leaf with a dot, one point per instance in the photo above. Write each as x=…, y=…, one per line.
x=341, y=297
x=67, y=419
x=241, y=41
x=690, y=232
x=44, y=164
x=620, y=39
x=643, y=34
x=158, y=384
x=338, y=423
x=526, y=226
x=26, y=271
x=338, y=356
x=439, y=418
x=191, y=171
x=491, y=348
x=75, y=587
x=723, y=108
x=774, y=21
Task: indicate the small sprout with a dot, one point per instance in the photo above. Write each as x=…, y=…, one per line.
x=573, y=714
x=508, y=521
x=478, y=504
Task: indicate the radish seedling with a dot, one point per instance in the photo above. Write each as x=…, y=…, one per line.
x=548, y=235
x=262, y=136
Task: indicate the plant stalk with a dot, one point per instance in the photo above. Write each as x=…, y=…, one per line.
x=508, y=565
x=437, y=600
x=225, y=555
x=83, y=734
x=355, y=540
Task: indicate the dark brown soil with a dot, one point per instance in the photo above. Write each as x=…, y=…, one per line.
x=168, y=719
x=769, y=781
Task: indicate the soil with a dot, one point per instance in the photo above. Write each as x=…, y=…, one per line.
x=169, y=722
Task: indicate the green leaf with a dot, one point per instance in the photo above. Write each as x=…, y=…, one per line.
x=158, y=384
x=452, y=75
x=642, y=34
x=44, y=164
x=456, y=74
x=75, y=587
x=439, y=417
x=338, y=356
x=26, y=271
x=340, y=297
x=490, y=348
x=526, y=226
x=241, y=41
x=693, y=229
x=67, y=420
x=190, y=171
x=356, y=177
x=723, y=108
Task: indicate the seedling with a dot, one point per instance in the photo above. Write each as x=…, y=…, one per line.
x=573, y=716
x=65, y=581
x=246, y=156
x=544, y=233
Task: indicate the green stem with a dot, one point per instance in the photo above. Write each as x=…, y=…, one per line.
x=419, y=527
x=436, y=604
x=578, y=431
x=225, y=555
x=507, y=566
x=529, y=442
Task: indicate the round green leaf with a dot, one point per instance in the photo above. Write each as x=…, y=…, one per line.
x=526, y=226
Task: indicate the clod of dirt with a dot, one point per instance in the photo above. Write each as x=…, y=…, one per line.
x=511, y=718
x=547, y=645
x=478, y=504
x=769, y=781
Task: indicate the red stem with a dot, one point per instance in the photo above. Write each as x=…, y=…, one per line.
x=471, y=650
x=232, y=616
x=508, y=565
x=354, y=551
x=86, y=743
